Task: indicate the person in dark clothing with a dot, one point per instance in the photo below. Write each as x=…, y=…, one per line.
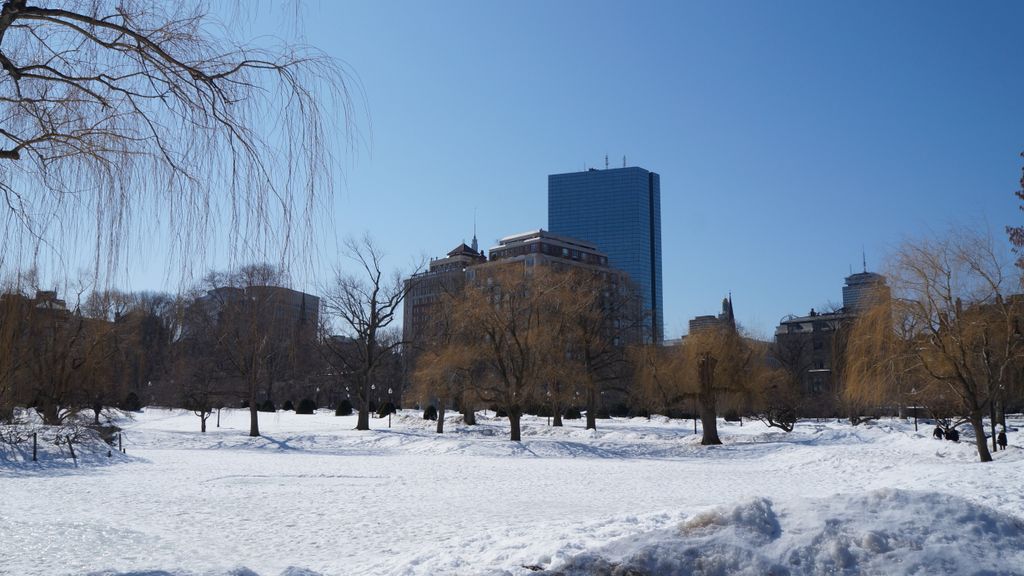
x=1001, y=439
x=937, y=434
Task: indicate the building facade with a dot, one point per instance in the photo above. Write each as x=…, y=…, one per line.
x=425, y=290
x=619, y=211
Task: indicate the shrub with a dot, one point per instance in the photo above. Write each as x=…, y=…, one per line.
x=385, y=409
x=288, y=405
x=619, y=410
x=267, y=406
x=572, y=414
x=344, y=408
x=306, y=406
x=131, y=403
x=732, y=416
x=430, y=413
x=603, y=413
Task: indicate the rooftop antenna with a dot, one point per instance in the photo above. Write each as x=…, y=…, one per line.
x=623, y=160
x=863, y=258
x=605, y=161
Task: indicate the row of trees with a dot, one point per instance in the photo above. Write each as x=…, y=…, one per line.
x=520, y=339
x=948, y=342
x=547, y=340
x=238, y=337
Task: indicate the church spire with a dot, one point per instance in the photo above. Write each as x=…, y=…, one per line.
x=475, y=246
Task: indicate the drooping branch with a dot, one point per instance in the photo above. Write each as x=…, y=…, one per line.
x=141, y=116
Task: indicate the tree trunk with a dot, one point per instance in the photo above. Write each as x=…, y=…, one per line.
x=556, y=419
x=96, y=409
x=979, y=436
x=709, y=420
x=992, y=424
x=468, y=414
x=254, y=415
x=591, y=410
x=254, y=419
x=202, y=423
x=363, y=421
x=440, y=417
x=707, y=401
x=513, y=420
x=51, y=413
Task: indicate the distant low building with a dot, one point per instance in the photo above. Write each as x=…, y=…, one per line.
x=725, y=318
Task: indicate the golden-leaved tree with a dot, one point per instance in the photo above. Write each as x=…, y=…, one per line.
x=712, y=368
x=953, y=335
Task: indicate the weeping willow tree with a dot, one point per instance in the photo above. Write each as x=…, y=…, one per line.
x=712, y=369
x=882, y=371
x=953, y=335
x=124, y=120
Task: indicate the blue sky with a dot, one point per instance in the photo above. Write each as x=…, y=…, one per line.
x=788, y=134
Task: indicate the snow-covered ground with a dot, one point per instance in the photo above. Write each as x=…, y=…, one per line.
x=313, y=496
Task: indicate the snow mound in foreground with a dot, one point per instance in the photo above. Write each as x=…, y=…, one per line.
x=239, y=571
x=881, y=532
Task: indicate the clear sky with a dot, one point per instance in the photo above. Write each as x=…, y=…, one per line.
x=788, y=134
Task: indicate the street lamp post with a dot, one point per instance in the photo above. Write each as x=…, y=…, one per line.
x=391, y=407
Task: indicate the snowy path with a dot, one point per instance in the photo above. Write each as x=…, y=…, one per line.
x=313, y=493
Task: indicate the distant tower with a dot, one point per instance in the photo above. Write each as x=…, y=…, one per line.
x=863, y=290
x=474, y=246
x=727, y=316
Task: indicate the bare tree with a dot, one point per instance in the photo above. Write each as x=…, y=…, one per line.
x=14, y=315
x=446, y=364
x=119, y=116
x=244, y=314
x=507, y=319
x=67, y=354
x=711, y=367
x=362, y=306
x=599, y=316
x=954, y=328
x=444, y=371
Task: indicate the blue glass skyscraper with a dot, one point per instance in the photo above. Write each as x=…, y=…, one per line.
x=618, y=209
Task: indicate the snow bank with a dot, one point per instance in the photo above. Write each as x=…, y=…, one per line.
x=882, y=532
